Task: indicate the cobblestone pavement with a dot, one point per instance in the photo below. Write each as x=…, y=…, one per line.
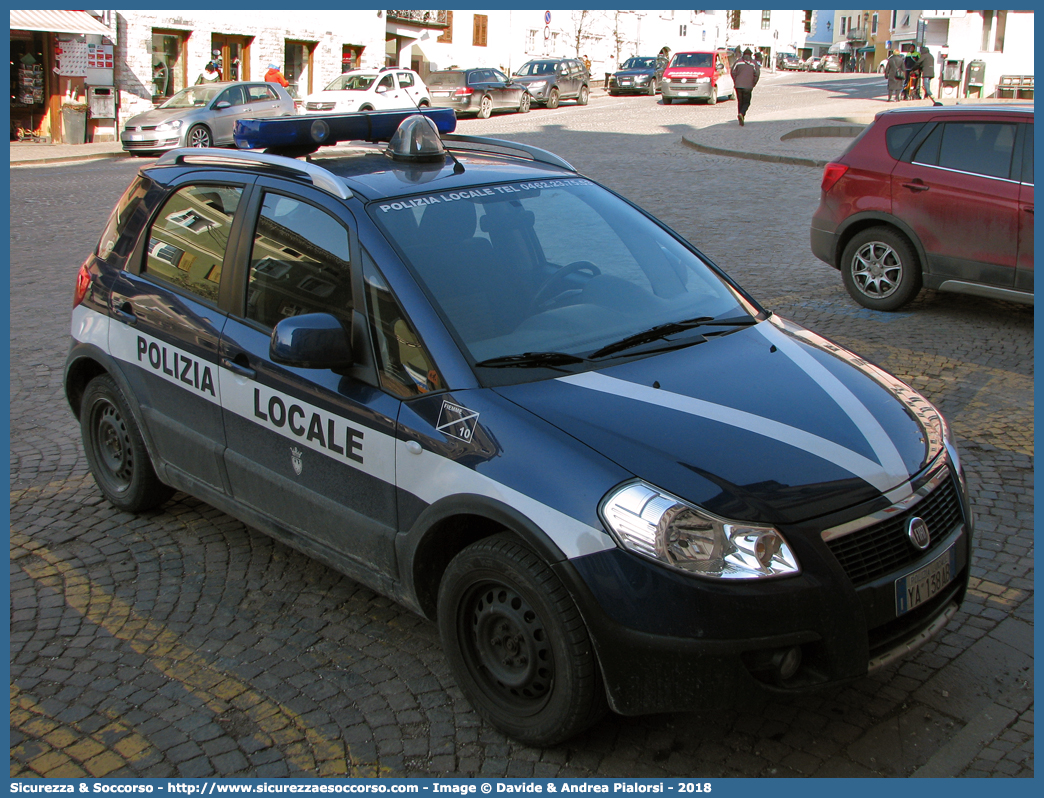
x=182, y=643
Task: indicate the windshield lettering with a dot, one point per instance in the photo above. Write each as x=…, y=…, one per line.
x=476, y=193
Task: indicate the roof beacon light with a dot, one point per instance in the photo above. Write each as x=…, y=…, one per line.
x=417, y=139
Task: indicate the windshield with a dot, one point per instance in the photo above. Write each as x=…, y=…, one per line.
x=532, y=68
x=639, y=63
x=559, y=266
x=693, y=60
x=351, y=82
x=193, y=97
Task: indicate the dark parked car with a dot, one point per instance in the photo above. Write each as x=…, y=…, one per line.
x=637, y=75
x=551, y=80
x=477, y=91
x=939, y=197
x=203, y=116
x=474, y=380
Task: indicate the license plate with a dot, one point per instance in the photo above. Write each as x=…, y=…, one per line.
x=441, y=93
x=914, y=589
x=684, y=93
x=134, y=136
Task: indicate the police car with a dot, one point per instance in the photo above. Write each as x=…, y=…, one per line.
x=475, y=380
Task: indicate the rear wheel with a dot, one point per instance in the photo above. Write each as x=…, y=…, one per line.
x=485, y=107
x=115, y=450
x=516, y=643
x=525, y=103
x=552, y=99
x=880, y=269
x=584, y=96
x=423, y=104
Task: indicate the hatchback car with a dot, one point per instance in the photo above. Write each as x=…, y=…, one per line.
x=830, y=63
x=637, y=75
x=477, y=91
x=551, y=80
x=788, y=61
x=940, y=197
x=385, y=89
x=697, y=75
x=610, y=476
x=203, y=116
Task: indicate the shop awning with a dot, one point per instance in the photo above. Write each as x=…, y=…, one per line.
x=58, y=22
x=840, y=47
x=868, y=49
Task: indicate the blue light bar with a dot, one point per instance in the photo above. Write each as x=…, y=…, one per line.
x=308, y=133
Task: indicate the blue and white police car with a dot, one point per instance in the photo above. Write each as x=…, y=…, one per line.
x=477, y=381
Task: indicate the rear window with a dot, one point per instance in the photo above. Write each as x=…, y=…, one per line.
x=446, y=79
x=693, y=60
x=898, y=136
x=119, y=222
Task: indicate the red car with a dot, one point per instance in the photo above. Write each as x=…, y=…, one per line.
x=934, y=197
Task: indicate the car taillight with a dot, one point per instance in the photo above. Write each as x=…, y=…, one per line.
x=831, y=174
x=83, y=282
x=463, y=92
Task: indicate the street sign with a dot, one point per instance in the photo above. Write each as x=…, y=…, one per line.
x=547, y=17
x=547, y=33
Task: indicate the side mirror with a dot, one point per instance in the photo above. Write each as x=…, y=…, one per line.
x=220, y=106
x=311, y=341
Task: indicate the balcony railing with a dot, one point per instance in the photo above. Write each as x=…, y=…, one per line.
x=434, y=18
x=857, y=35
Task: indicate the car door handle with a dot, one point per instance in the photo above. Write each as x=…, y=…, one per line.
x=239, y=369
x=1029, y=210
x=125, y=313
x=916, y=185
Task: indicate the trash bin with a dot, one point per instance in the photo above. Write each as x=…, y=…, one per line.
x=74, y=124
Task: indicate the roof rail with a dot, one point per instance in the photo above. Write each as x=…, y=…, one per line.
x=535, y=153
x=321, y=178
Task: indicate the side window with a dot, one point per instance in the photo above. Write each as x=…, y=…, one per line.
x=983, y=148
x=260, y=94
x=233, y=95
x=404, y=365
x=405, y=80
x=120, y=217
x=1027, y=157
x=499, y=76
x=387, y=83
x=188, y=238
x=299, y=263
x=898, y=136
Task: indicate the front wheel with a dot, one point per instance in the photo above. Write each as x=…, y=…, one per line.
x=485, y=107
x=516, y=643
x=423, y=104
x=667, y=100
x=115, y=450
x=199, y=136
x=652, y=88
x=584, y=96
x=713, y=99
x=880, y=269
x=552, y=99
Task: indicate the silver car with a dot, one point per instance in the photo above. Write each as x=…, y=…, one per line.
x=204, y=115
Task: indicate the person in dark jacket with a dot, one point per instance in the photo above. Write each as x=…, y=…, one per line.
x=894, y=74
x=745, y=76
x=927, y=71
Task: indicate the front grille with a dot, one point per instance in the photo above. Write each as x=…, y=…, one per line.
x=877, y=550
x=320, y=106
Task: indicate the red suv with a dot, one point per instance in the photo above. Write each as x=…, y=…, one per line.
x=934, y=197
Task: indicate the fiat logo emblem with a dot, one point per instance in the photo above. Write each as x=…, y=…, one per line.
x=917, y=531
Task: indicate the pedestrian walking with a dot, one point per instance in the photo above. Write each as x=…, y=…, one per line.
x=894, y=74
x=273, y=75
x=928, y=73
x=745, y=76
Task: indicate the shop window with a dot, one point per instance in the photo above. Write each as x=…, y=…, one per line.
x=479, y=30
x=231, y=55
x=297, y=68
x=168, y=64
x=188, y=239
x=447, y=35
x=350, y=57
x=300, y=263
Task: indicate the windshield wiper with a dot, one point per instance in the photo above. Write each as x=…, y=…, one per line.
x=530, y=359
x=663, y=330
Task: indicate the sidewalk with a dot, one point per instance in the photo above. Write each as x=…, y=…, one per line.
x=28, y=153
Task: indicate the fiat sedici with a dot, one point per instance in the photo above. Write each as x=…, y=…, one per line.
x=480, y=383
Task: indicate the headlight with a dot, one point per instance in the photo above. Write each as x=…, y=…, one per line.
x=642, y=79
x=538, y=84
x=654, y=524
x=173, y=124
x=703, y=80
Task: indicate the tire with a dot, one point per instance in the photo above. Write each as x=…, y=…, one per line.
x=525, y=103
x=652, y=88
x=485, y=107
x=713, y=99
x=199, y=136
x=613, y=93
x=583, y=96
x=366, y=108
x=115, y=450
x=666, y=100
x=517, y=645
x=552, y=98
x=423, y=104
x=880, y=269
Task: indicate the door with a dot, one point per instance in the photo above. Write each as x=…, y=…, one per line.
x=1024, y=270
x=386, y=94
x=223, y=121
x=958, y=195
x=726, y=86
x=509, y=94
x=262, y=100
x=232, y=54
x=311, y=448
x=168, y=324
x=411, y=92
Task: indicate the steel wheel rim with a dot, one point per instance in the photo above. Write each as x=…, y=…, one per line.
x=507, y=647
x=112, y=443
x=877, y=269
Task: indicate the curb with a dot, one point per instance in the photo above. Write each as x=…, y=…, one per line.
x=70, y=159
x=754, y=156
